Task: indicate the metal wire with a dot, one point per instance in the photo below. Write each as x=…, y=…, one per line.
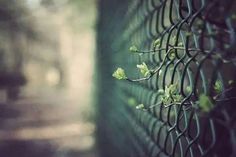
x=174, y=130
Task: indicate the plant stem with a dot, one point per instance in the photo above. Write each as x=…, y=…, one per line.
x=153, y=72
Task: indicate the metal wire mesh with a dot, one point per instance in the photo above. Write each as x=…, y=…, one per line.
x=167, y=130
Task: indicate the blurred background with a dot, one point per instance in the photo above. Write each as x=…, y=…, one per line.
x=47, y=78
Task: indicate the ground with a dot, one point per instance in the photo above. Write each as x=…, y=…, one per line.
x=48, y=124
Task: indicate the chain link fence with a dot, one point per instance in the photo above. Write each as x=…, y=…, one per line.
x=195, y=54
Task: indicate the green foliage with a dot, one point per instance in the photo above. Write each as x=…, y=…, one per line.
x=177, y=98
x=143, y=69
x=218, y=86
x=140, y=106
x=172, y=54
x=119, y=74
x=132, y=102
x=171, y=89
x=188, y=89
x=161, y=91
x=133, y=49
x=157, y=43
x=205, y=103
x=180, y=44
x=171, y=95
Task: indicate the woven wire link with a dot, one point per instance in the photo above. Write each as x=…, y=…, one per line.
x=174, y=130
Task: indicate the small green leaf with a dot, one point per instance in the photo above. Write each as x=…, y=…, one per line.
x=172, y=89
x=132, y=102
x=166, y=99
x=140, y=106
x=133, y=49
x=180, y=44
x=161, y=91
x=119, y=74
x=177, y=98
x=188, y=89
x=157, y=43
x=218, y=86
x=171, y=95
x=143, y=69
x=172, y=54
x=205, y=103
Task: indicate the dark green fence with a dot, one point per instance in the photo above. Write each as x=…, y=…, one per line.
x=194, y=54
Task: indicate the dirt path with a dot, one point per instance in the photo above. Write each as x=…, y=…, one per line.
x=48, y=125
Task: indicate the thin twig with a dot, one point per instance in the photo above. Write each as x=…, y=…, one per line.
x=223, y=92
x=153, y=72
x=226, y=99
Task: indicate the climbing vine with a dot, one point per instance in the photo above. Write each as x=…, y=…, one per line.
x=171, y=94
